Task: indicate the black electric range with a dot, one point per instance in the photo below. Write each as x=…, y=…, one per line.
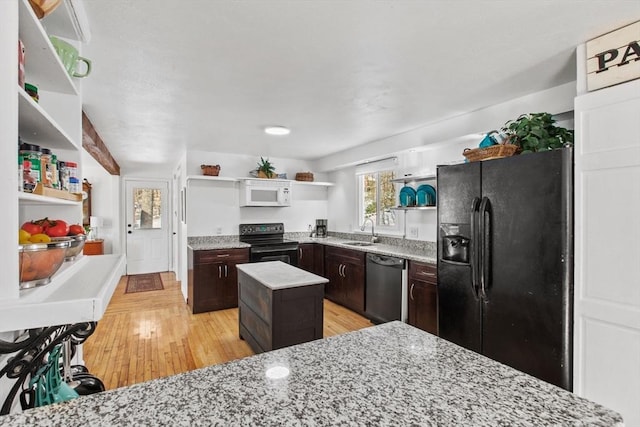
x=268, y=243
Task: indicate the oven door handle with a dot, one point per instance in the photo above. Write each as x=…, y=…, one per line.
x=271, y=250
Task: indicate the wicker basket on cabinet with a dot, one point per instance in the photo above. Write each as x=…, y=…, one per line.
x=304, y=176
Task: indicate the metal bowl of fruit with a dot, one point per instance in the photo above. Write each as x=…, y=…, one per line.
x=76, y=243
x=40, y=261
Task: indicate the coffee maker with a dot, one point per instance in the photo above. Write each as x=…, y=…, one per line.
x=321, y=228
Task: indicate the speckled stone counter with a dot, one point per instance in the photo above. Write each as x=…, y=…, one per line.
x=412, y=249
x=205, y=243
x=279, y=275
x=410, y=253
x=391, y=374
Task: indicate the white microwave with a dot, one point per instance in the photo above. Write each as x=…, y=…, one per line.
x=265, y=192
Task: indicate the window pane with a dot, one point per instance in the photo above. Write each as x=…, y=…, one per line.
x=370, y=198
x=146, y=204
x=387, y=199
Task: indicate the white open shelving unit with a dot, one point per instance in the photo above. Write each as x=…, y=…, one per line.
x=81, y=289
x=231, y=179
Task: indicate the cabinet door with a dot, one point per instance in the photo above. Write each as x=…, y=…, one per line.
x=333, y=289
x=318, y=260
x=423, y=306
x=353, y=281
x=208, y=287
x=306, y=252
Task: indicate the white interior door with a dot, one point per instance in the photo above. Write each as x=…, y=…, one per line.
x=147, y=226
x=607, y=255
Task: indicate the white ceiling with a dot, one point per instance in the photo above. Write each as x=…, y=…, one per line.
x=209, y=75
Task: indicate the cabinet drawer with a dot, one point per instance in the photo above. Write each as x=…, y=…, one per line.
x=423, y=271
x=220, y=255
x=356, y=256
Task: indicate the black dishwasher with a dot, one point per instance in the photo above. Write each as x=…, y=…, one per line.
x=383, y=299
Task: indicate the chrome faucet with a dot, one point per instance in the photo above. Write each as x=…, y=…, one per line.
x=374, y=238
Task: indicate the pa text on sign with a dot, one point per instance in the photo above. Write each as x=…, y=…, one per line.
x=614, y=57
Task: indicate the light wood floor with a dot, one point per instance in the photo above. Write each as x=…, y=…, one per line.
x=153, y=334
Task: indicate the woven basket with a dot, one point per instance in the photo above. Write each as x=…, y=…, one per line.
x=494, y=152
x=210, y=170
x=304, y=176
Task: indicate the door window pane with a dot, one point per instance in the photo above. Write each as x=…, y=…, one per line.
x=147, y=208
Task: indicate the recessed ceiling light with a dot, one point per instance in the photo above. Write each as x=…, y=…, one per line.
x=277, y=130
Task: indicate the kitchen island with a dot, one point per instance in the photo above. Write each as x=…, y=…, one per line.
x=279, y=305
x=391, y=374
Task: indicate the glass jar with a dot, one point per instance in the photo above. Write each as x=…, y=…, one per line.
x=49, y=168
x=69, y=170
x=74, y=185
x=29, y=156
x=32, y=90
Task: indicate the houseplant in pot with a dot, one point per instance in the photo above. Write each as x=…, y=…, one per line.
x=266, y=169
x=536, y=132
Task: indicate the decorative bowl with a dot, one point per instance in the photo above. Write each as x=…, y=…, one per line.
x=40, y=261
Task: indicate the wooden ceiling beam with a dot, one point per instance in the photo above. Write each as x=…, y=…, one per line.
x=94, y=145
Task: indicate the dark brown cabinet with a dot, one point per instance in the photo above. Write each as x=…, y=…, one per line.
x=423, y=296
x=213, y=278
x=311, y=258
x=345, y=269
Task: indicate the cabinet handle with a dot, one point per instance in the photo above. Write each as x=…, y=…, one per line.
x=340, y=270
x=344, y=271
x=424, y=273
x=411, y=291
x=222, y=255
x=226, y=271
x=219, y=272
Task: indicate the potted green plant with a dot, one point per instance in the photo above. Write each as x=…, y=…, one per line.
x=266, y=169
x=537, y=132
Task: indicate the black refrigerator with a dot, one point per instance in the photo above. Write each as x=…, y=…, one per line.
x=505, y=261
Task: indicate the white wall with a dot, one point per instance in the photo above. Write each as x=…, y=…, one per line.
x=105, y=197
x=213, y=207
x=419, y=154
x=555, y=101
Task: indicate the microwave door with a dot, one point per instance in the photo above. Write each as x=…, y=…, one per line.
x=263, y=196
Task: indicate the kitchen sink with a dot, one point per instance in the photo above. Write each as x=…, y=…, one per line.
x=359, y=243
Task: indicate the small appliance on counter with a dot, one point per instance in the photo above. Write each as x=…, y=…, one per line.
x=321, y=228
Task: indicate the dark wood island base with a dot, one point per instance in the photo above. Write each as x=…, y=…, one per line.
x=279, y=305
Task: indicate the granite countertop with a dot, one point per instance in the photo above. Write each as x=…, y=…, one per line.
x=391, y=374
x=231, y=242
x=218, y=244
x=376, y=248
x=279, y=275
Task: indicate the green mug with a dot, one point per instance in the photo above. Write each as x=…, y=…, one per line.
x=69, y=56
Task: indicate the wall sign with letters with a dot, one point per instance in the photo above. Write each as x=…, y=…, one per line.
x=614, y=57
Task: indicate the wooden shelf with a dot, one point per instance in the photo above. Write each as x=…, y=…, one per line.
x=79, y=292
x=43, y=66
x=36, y=199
